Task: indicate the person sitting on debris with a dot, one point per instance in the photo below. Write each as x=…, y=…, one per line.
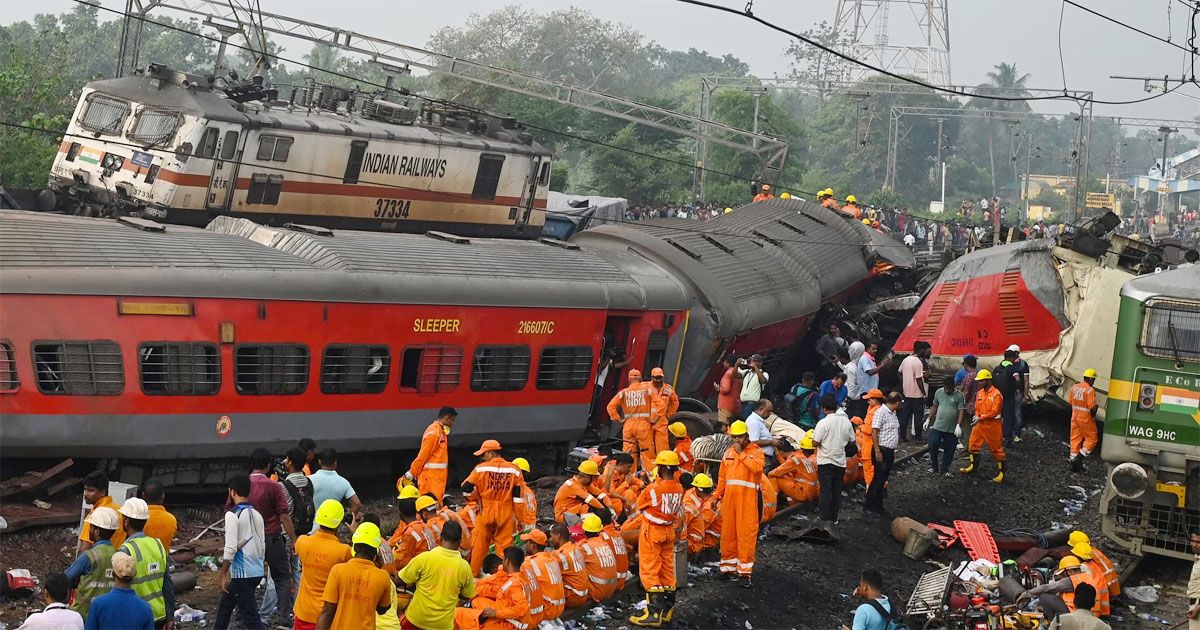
x=797, y=475
x=574, y=572
x=412, y=536
x=620, y=483
x=1099, y=562
x=1086, y=554
x=438, y=579
x=93, y=568
x=876, y=613
x=683, y=445
x=1081, y=618
x=95, y=493
x=1057, y=597
x=545, y=566
x=56, y=615
x=579, y=494
x=599, y=560
x=612, y=535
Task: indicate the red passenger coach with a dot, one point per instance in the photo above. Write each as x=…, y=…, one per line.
x=135, y=340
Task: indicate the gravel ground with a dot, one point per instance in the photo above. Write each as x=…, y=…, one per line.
x=797, y=585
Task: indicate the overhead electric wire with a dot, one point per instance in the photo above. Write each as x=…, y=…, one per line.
x=1128, y=26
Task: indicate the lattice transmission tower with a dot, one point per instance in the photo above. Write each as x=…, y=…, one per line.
x=867, y=30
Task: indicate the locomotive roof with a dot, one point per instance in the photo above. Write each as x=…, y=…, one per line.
x=236, y=258
x=1180, y=282
x=200, y=101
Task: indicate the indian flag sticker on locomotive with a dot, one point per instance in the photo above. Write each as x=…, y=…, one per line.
x=1176, y=400
x=90, y=155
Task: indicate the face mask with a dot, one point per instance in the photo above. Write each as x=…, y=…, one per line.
x=445, y=429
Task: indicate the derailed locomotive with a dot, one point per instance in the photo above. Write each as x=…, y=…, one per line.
x=176, y=148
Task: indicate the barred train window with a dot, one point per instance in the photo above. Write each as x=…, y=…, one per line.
x=431, y=369
x=564, y=367
x=104, y=114
x=656, y=350
x=179, y=368
x=279, y=369
x=8, y=367
x=1172, y=330
x=355, y=369
x=79, y=368
x=154, y=126
x=500, y=368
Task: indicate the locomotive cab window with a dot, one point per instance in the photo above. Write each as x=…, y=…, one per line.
x=355, y=369
x=564, y=367
x=179, y=368
x=104, y=114
x=208, y=143
x=544, y=176
x=79, y=368
x=274, y=148
x=487, y=178
x=279, y=369
x=500, y=368
x=154, y=126
x=8, y=368
x=431, y=369
x=1172, y=330
x=229, y=145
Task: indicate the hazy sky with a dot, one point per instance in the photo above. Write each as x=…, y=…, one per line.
x=982, y=33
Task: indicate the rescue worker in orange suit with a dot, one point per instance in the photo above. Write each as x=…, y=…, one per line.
x=738, y=491
x=1099, y=564
x=764, y=193
x=668, y=404
x=444, y=515
x=546, y=568
x=661, y=504
x=852, y=208
x=578, y=494
x=512, y=601
x=619, y=483
x=865, y=437
x=526, y=504
x=1086, y=555
x=988, y=428
x=797, y=475
x=1084, y=436
x=770, y=497
x=699, y=526
x=412, y=536
x=826, y=199
x=574, y=572
x=1061, y=590
x=683, y=445
x=430, y=468
x=495, y=483
x=636, y=407
x=613, y=536
x=599, y=561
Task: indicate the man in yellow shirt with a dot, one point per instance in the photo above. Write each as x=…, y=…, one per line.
x=95, y=492
x=318, y=553
x=161, y=524
x=357, y=590
x=439, y=578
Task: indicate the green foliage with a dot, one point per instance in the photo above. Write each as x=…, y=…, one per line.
x=642, y=179
x=886, y=199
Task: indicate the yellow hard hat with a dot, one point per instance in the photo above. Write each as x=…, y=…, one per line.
x=851, y=199
x=330, y=514
x=424, y=502
x=667, y=458
x=983, y=375
x=1068, y=562
x=807, y=442
x=738, y=428
x=866, y=222
x=1083, y=550
x=409, y=492
x=367, y=534
x=592, y=524
x=728, y=210
x=1089, y=373
x=521, y=463
x=589, y=467
x=1078, y=537
x=678, y=429
x=785, y=196
x=829, y=192
x=702, y=480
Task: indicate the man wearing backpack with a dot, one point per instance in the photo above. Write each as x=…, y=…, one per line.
x=877, y=613
x=802, y=401
x=301, y=508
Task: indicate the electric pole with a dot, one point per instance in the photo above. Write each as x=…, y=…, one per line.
x=1163, y=190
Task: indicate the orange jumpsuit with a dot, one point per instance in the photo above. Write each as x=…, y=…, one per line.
x=638, y=406
x=574, y=574
x=853, y=210
x=614, y=539
x=696, y=520
x=683, y=448
x=494, y=481
x=623, y=487
x=989, y=430
x=797, y=477
x=445, y=514
x=601, y=565
x=466, y=517
x=533, y=588
x=866, y=442
x=410, y=539
x=770, y=498
x=668, y=404
x=738, y=491
x=545, y=567
x=661, y=504
x=574, y=498
x=512, y=603
x=1084, y=436
x=525, y=507
x=830, y=203
x=1101, y=565
x=430, y=466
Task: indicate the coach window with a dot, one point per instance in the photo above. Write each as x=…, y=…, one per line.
x=8, y=368
x=487, y=178
x=278, y=369
x=104, y=114
x=179, y=368
x=431, y=369
x=229, y=145
x=79, y=368
x=208, y=143
x=349, y=369
x=564, y=367
x=358, y=149
x=656, y=350
x=274, y=148
x=500, y=368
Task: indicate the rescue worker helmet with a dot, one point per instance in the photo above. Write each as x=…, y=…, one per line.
x=1014, y=348
x=1077, y=537
x=488, y=445
x=657, y=372
x=983, y=375
x=1083, y=550
x=330, y=514
x=738, y=428
x=1067, y=562
x=702, y=481
x=1089, y=373
x=425, y=502
x=135, y=508
x=408, y=492
x=104, y=518
x=592, y=524
x=678, y=429
x=866, y=222
x=589, y=467
x=367, y=534
x=666, y=458
x=807, y=442
x=635, y=373
x=851, y=199
x=522, y=463
x=728, y=210
x=786, y=195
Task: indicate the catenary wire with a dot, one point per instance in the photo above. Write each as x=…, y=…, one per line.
x=1128, y=26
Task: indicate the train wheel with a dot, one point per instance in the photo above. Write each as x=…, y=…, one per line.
x=693, y=405
x=697, y=424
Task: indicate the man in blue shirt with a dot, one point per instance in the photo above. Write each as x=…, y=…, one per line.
x=328, y=484
x=876, y=613
x=835, y=387
x=121, y=608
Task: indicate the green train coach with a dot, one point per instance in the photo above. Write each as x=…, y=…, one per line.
x=1152, y=418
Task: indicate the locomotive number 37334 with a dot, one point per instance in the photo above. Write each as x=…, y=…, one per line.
x=392, y=208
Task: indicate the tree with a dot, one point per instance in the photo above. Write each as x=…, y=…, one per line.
x=1003, y=80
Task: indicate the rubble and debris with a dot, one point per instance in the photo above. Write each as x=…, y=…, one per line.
x=1147, y=594
x=33, y=479
x=977, y=538
x=18, y=583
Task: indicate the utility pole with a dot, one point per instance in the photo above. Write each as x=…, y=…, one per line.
x=1163, y=193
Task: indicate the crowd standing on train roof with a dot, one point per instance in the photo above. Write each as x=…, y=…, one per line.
x=485, y=563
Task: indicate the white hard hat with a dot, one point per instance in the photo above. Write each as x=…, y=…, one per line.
x=136, y=508
x=1014, y=348
x=104, y=518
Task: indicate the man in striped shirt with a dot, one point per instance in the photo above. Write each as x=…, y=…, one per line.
x=242, y=558
x=885, y=428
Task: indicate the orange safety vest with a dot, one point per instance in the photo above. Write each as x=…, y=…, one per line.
x=1105, y=567
x=1082, y=398
x=1102, y=607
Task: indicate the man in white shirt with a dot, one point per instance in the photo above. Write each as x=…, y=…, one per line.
x=754, y=379
x=759, y=433
x=832, y=434
x=56, y=615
